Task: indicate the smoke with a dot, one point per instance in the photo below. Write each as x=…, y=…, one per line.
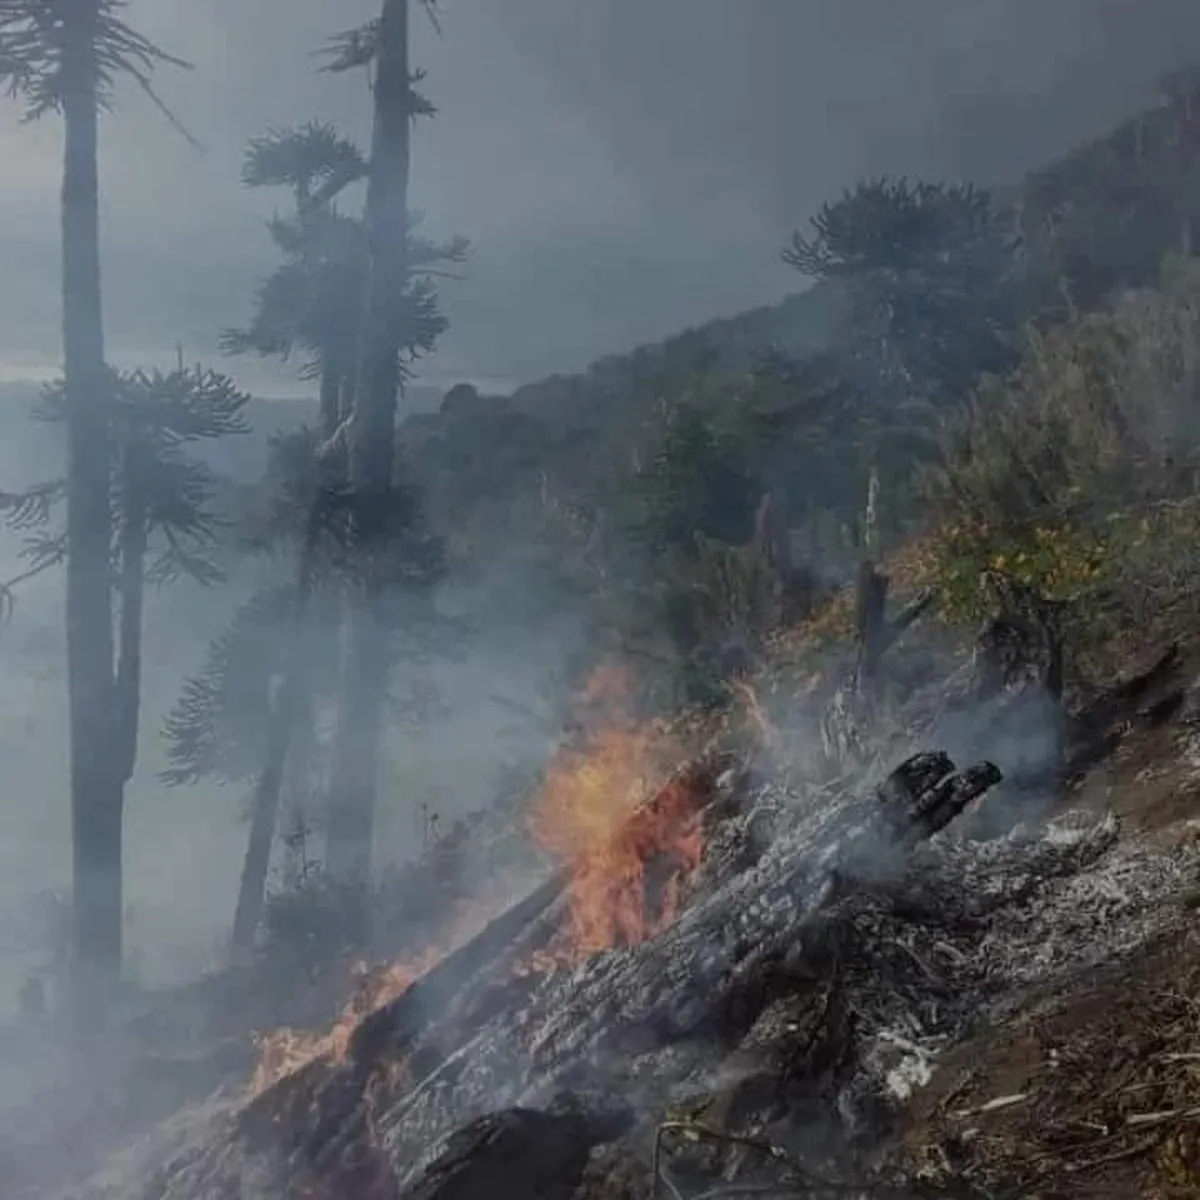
x=688, y=141
x=622, y=177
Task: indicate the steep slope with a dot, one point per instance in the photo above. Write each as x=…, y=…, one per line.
x=808, y=1011
x=846, y=951
x=1098, y=220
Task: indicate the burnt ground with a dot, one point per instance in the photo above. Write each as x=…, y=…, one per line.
x=1091, y=1086
x=1006, y=1006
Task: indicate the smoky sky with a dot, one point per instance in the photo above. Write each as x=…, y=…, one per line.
x=623, y=168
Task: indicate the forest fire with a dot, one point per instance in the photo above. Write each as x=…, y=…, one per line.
x=614, y=809
x=630, y=830
x=285, y=1051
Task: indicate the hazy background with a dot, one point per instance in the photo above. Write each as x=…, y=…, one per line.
x=623, y=169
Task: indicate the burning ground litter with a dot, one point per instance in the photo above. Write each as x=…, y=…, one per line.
x=826, y=962
x=615, y=809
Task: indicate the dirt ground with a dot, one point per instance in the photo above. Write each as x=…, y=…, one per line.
x=1093, y=1091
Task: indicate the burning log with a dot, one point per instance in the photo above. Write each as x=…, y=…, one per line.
x=472, y=1048
x=386, y=1032
x=479, y=1031
x=802, y=984
x=319, y=1114
x=338, y=1090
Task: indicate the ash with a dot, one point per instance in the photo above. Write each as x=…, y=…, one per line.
x=828, y=957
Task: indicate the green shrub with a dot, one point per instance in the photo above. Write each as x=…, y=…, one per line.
x=1076, y=474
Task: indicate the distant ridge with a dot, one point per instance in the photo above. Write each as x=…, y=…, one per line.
x=31, y=451
x=804, y=321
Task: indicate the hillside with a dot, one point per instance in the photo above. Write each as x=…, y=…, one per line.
x=903, y=978
x=1097, y=221
x=880, y=889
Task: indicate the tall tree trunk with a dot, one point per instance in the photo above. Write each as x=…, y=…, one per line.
x=132, y=583
x=96, y=791
x=286, y=708
x=264, y=816
x=329, y=404
x=372, y=454
x=289, y=701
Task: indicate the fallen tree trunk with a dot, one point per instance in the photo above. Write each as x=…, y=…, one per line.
x=319, y=1123
x=338, y=1088
x=320, y=1113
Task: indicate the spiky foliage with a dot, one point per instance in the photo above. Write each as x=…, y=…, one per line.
x=155, y=415
x=25, y=511
x=279, y=517
x=308, y=304
x=31, y=54
x=930, y=272
x=359, y=47
x=219, y=725
x=313, y=159
x=311, y=304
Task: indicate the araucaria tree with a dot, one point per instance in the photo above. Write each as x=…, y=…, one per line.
x=395, y=316
x=165, y=522
x=928, y=275
x=313, y=305
x=64, y=56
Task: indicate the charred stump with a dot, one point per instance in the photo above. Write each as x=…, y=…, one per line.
x=1022, y=645
x=870, y=605
x=849, y=712
x=926, y=792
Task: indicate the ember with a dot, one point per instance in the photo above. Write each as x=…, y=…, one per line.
x=631, y=833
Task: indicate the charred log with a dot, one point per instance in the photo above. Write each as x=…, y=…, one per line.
x=319, y=1114
x=386, y=1033
x=921, y=797
x=519, y=1152
x=323, y=1105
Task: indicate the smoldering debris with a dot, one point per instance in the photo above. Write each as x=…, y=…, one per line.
x=834, y=944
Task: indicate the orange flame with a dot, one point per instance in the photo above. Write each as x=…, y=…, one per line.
x=630, y=831
x=285, y=1051
x=614, y=809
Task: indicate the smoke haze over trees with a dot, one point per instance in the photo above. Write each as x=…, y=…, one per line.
x=354, y=460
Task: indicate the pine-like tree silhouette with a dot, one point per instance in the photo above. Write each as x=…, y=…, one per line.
x=65, y=56
x=313, y=305
x=929, y=269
